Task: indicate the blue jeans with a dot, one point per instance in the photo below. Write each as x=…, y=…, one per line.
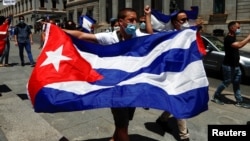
x=231, y=75
x=28, y=51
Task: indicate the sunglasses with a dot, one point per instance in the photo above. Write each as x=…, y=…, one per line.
x=184, y=20
x=141, y=21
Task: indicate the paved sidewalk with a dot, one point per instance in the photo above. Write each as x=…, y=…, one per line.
x=18, y=121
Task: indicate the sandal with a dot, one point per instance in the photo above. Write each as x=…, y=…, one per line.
x=1, y=65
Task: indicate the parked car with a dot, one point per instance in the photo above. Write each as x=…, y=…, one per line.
x=215, y=54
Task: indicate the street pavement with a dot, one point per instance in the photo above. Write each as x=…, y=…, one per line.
x=19, y=122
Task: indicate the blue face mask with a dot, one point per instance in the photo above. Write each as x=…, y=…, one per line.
x=130, y=29
x=237, y=31
x=143, y=25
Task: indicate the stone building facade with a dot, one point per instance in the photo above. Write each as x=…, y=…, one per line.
x=32, y=10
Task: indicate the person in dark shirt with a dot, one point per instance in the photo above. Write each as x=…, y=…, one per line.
x=23, y=39
x=230, y=66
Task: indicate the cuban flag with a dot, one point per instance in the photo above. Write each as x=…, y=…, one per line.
x=86, y=23
x=162, y=22
x=160, y=71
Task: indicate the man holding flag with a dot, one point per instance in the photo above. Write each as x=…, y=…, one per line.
x=127, y=19
x=179, y=21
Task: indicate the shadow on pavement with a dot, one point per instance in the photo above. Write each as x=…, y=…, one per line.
x=133, y=137
x=170, y=127
x=232, y=101
x=4, y=89
x=23, y=96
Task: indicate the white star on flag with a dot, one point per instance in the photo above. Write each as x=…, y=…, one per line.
x=54, y=57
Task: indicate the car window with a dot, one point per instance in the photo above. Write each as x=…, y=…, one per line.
x=205, y=42
x=217, y=42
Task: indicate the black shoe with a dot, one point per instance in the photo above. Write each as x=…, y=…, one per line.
x=243, y=105
x=187, y=139
x=22, y=64
x=248, y=123
x=217, y=100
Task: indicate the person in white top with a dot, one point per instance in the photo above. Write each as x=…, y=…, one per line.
x=127, y=19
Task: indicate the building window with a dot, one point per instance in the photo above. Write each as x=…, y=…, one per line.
x=121, y=4
x=109, y=8
x=90, y=10
x=219, y=6
x=64, y=4
x=42, y=3
x=156, y=4
x=138, y=5
x=71, y=14
x=30, y=1
x=54, y=3
x=176, y=5
x=79, y=14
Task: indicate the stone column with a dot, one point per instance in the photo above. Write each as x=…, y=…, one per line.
x=114, y=8
x=102, y=10
x=147, y=2
x=128, y=3
x=165, y=6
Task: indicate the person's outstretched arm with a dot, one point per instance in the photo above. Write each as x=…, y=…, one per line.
x=82, y=35
x=240, y=44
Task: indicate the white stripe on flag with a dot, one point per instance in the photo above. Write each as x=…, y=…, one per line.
x=114, y=63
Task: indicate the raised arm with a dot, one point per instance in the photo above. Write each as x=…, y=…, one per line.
x=240, y=44
x=82, y=35
x=147, y=12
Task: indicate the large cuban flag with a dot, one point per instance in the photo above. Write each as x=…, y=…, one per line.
x=161, y=71
x=162, y=22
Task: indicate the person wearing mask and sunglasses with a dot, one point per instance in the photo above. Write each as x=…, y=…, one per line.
x=179, y=21
x=142, y=30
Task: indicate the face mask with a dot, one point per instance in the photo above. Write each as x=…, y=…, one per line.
x=130, y=29
x=21, y=21
x=185, y=25
x=143, y=25
x=237, y=31
x=116, y=28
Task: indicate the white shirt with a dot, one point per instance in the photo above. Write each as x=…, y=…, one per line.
x=107, y=38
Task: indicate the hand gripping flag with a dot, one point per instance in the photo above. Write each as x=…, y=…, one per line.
x=87, y=23
x=162, y=71
x=162, y=22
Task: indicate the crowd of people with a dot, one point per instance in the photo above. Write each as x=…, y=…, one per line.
x=124, y=27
